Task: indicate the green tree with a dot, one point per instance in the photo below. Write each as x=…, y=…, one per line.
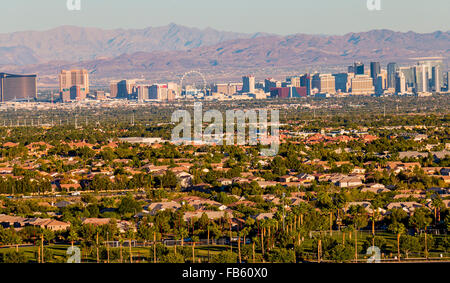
x=129, y=205
x=421, y=219
x=409, y=244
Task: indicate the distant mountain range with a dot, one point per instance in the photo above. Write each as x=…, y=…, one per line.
x=70, y=43
x=159, y=53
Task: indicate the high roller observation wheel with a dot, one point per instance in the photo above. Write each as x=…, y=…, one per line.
x=194, y=72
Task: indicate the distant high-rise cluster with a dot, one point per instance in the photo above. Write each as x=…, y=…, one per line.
x=136, y=89
x=426, y=76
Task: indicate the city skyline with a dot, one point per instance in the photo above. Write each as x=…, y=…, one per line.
x=245, y=17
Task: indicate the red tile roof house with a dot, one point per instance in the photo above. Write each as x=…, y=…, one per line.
x=263, y=216
x=10, y=144
x=224, y=181
x=11, y=221
x=19, y=222
x=50, y=224
x=265, y=184
x=122, y=225
x=369, y=138
x=96, y=221
x=198, y=214
x=288, y=179
x=243, y=202
x=199, y=202
x=6, y=170
x=240, y=180
x=349, y=182
x=375, y=188
x=358, y=170
x=155, y=207
x=255, y=178
x=306, y=177
x=431, y=170
x=408, y=206
x=400, y=166
x=152, y=168
x=294, y=201
x=416, y=196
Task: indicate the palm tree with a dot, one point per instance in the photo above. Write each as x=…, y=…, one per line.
x=244, y=233
x=177, y=237
x=262, y=225
x=239, y=246
x=154, y=246
x=194, y=240
x=331, y=222
x=120, y=249
x=359, y=221
x=349, y=230
x=73, y=236
x=96, y=242
x=437, y=205
x=397, y=228
x=129, y=246
x=130, y=236
x=182, y=233
x=374, y=218
x=231, y=235
x=107, y=245
x=253, y=250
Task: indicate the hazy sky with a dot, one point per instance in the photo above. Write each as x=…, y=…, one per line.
x=273, y=16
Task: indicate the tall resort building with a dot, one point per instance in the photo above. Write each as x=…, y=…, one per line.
x=17, y=87
x=73, y=84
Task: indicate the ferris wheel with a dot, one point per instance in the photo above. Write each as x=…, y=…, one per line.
x=193, y=72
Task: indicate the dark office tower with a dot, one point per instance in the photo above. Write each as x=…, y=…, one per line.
x=270, y=83
x=17, y=87
x=392, y=69
x=305, y=80
x=341, y=80
x=358, y=68
x=248, y=84
x=126, y=89
x=375, y=70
